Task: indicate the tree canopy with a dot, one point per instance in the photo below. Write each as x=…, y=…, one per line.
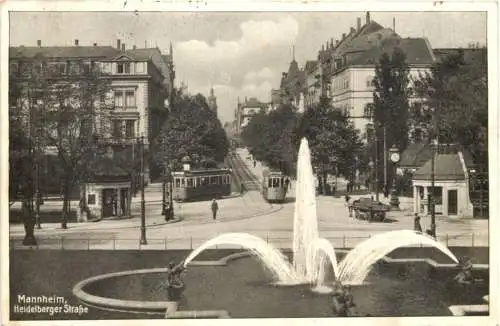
x=390, y=98
x=271, y=138
x=334, y=142
x=455, y=94
x=51, y=108
x=192, y=129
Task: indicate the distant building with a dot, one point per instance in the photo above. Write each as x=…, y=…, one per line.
x=212, y=101
x=247, y=110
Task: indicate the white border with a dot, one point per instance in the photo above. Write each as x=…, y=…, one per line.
x=238, y=5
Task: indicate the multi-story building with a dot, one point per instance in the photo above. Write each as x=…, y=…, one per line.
x=139, y=93
x=345, y=69
x=247, y=110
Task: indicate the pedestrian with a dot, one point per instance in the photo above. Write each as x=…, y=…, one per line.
x=215, y=208
x=416, y=223
x=254, y=163
x=242, y=188
x=348, y=204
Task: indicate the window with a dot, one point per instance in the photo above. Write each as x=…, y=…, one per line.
x=368, y=111
x=117, y=128
x=139, y=67
x=129, y=128
x=189, y=182
x=369, y=81
x=123, y=68
x=130, y=99
x=91, y=199
x=119, y=99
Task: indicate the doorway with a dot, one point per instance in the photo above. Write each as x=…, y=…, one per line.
x=108, y=202
x=452, y=202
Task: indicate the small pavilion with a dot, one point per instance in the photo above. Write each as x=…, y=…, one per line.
x=451, y=186
x=107, y=192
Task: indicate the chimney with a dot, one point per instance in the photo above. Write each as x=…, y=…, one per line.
x=118, y=44
x=394, y=24
x=134, y=47
x=39, y=43
x=353, y=30
x=359, y=23
x=123, y=46
x=95, y=44
x=343, y=36
x=322, y=47
x=76, y=42
x=331, y=42
x=337, y=42
x=367, y=17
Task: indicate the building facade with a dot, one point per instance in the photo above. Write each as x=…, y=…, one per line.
x=247, y=110
x=141, y=84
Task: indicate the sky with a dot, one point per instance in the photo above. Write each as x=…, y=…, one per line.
x=239, y=54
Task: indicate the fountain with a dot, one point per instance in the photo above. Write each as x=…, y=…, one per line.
x=312, y=256
x=310, y=252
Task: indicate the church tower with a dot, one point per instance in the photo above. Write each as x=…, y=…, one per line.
x=212, y=101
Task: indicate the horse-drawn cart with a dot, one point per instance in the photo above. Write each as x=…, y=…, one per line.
x=370, y=210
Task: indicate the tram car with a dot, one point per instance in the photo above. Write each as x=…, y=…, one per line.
x=273, y=186
x=193, y=185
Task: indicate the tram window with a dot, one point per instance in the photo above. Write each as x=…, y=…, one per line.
x=204, y=181
x=269, y=183
x=219, y=179
x=177, y=182
x=189, y=182
x=276, y=182
x=213, y=180
x=196, y=181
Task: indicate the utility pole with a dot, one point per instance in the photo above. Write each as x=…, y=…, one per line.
x=385, y=160
x=143, y=200
x=376, y=165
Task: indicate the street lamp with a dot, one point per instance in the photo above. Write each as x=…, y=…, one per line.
x=143, y=200
x=395, y=157
x=167, y=210
x=371, y=165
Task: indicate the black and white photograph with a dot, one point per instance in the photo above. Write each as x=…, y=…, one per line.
x=212, y=163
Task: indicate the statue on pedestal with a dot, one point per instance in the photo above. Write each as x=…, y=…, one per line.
x=174, y=284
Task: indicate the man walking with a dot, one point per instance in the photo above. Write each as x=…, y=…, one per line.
x=215, y=208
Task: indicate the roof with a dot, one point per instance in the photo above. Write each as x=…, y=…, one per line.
x=105, y=169
x=417, y=51
x=311, y=65
x=141, y=54
x=253, y=102
x=415, y=155
x=63, y=51
x=447, y=167
x=470, y=55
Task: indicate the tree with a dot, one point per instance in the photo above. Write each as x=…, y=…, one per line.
x=193, y=129
x=271, y=138
x=333, y=140
x=61, y=110
x=454, y=105
x=390, y=102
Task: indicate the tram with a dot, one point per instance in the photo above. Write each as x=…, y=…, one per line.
x=203, y=184
x=273, y=186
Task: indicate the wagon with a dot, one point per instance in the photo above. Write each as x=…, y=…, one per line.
x=369, y=209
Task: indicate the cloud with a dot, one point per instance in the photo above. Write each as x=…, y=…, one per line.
x=239, y=67
x=264, y=74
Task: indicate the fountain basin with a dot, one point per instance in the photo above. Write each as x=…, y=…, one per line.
x=243, y=288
